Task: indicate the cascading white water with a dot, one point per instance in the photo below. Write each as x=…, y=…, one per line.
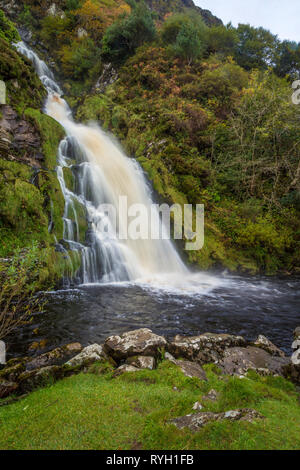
x=103, y=174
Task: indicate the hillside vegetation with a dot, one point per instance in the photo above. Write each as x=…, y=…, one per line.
x=205, y=108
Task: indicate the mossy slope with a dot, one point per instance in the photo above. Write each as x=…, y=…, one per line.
x=30, y=195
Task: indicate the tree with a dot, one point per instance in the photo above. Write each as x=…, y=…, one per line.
x=79, y=58
x=258, y=153
x=288, y=59
x=255, y=48
x=188, y=45
x=222, y=40
x=122, y=38
x=184, y=35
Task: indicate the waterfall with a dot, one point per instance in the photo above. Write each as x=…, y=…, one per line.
x=103, y=174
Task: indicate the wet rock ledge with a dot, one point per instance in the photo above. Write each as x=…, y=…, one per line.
x=142, y=349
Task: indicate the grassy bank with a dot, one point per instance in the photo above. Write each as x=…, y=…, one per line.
x=96, y=411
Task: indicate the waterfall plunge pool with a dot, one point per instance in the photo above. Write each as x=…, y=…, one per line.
x=245, y=306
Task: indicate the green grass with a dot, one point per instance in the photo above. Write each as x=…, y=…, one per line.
x=95, y=411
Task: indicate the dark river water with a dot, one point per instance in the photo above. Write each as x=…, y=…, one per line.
x=236, y=305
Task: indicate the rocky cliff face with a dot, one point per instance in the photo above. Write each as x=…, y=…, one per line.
x=163, y=7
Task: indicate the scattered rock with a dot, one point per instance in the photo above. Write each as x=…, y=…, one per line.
x=53, y=10
x=191, y=369
x=264, y=343
x=13, y=369
x=169, y=357
x=88, y=355
x=55, y=357
x=197, y=406
x=196, y=421
x=7, y=388
x=212, y=395
x=139, y=349
x=237, y=361
x=30, y=380
x=81, y=33
x=108, y=77
x=134, y=343
x=142, y=362
x=205, y=348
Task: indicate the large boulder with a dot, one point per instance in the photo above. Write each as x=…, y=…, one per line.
x=205, y=348
x=212, y=395
x=134, y=343
x=264, y=343
x=142, y=362
x=196, y=421
x=30, y=380
x=191, y=369
x=13, y=369
x=55, y=357
x=237, y=361
x=88, y=355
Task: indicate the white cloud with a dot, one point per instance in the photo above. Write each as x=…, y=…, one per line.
x=281, y=18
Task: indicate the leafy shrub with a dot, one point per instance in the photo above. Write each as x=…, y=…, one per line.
x=53, y=29
x=72, y=4
x=191, y=188
x=185, y=36
x=8, y=31
x=260, y=154
x=221, y=40
x=79, y=58
x=27, y=19
x=256, y=47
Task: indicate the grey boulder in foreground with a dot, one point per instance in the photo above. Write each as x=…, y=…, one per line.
x=142, y=349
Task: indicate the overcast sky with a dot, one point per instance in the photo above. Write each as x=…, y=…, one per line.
x=281, y=17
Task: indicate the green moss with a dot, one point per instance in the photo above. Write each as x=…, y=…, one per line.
x=96, y=108
x=24, y=88
x=8, y=31
x=68, y=178
x=51, y=132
